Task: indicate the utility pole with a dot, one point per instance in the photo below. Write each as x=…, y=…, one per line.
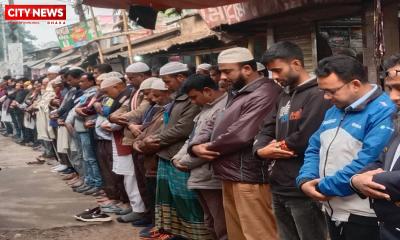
x=97, y=35
x=79, y=11
x=128, y=39
x=3, y=34
x=82, y=18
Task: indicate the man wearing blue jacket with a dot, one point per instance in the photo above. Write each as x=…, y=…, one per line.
x=352, y=135
x=381, y=180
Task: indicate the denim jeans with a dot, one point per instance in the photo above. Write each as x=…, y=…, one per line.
x=18, y=125
x=76, y=158
x=299, y=218
x=92, y=171
x=48, y=148
x=9, y=127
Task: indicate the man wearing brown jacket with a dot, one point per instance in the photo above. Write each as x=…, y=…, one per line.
x=246, y=194
x=177, y=210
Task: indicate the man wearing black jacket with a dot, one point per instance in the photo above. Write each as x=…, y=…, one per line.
x=380, y=180
x=284, y=138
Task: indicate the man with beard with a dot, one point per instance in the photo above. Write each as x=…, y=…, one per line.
x=353, y=134
x=246, y=194
x=284, y=138
x=380, y=180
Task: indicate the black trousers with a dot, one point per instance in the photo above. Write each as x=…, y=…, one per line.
x=113, y=184
x=357, y=227
x=389, y=231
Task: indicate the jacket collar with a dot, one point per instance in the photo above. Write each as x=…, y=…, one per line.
x=181, y=97
x=311, y=82
x=363, y=102
x=91, y=89
x=217, y=100
x=251, y=87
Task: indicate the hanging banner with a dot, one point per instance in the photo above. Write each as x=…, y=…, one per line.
x=76, y=35
x=15, y=59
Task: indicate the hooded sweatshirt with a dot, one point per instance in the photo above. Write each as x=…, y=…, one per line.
x=297, y=115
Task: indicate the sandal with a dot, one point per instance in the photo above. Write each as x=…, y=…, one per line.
x=36, y=162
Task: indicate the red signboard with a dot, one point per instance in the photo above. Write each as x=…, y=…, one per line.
x=35, y=12
x=241, y=12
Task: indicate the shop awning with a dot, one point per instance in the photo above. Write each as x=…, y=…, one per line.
x=159, y=4
x=32, y=63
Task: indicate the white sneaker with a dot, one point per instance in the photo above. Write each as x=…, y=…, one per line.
x=60, y=168
x=57, y=166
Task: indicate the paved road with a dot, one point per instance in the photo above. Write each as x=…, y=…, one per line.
x=31, y=197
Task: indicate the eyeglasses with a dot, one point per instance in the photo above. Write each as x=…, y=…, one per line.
x=392, y=73
x=333, y=91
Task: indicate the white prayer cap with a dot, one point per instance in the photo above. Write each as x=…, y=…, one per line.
x=235, y=55
x=173, y=67
x=110, y=81
x=57, y=80
x=54, y=69
x=204, y=66
x=113, y=74
x=158, y=84
x=74, y=68
x=137, y=67
x=260, y=67
x=146, y=84
x=101, y=77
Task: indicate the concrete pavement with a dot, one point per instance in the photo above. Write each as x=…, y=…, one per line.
x=32, y=197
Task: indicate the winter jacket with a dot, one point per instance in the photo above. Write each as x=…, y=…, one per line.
x=201, y=174
x=234, y=131
x=133, y=108
x=79, y=120
x=69, y=102
x=153, y=127
x=178, y=124
x=387, y=211
x=297, y=115
x=346, y=142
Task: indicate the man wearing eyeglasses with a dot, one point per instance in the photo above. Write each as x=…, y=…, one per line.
x=380, y=181
x=352, y=135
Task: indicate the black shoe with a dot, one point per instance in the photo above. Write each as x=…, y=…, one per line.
x=83, y=189
x=91, y=191
x=67, y=171
x=87, y=212
x=97, y=216
x=144, y=222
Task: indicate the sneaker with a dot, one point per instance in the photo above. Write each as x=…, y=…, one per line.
x=144, y=222
x=130, y=217
x=124, y=211
x=91, y=191
x=149, y=233
x=95, y=217
x=59, y=168
x=67, y=170
x=111, y=209
x=86, y=212
x=83, y=189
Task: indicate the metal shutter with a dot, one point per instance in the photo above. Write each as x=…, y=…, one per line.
x=303, y=35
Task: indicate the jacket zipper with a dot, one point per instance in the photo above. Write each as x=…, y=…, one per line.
x=327, y=154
